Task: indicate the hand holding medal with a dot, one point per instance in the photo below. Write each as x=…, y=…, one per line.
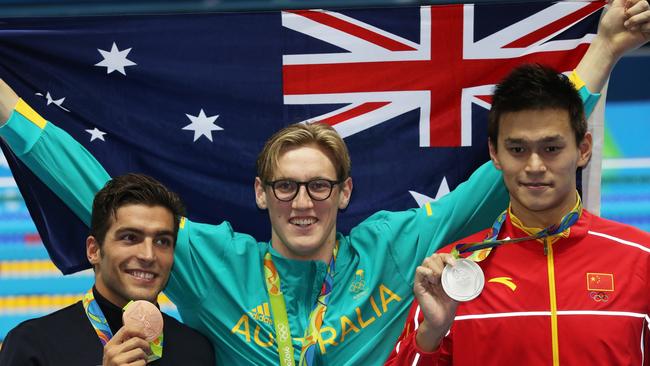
x=436, y=306
x=147, y=319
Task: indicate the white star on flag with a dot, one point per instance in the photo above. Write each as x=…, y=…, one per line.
x=422, y=199
x=115, y=60
x=202, y=125
x=51, y=100
x=95, y=134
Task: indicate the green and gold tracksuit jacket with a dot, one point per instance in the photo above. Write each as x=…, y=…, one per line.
x=217, y=281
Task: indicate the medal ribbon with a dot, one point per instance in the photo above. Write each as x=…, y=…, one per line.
x=99, y=323
x=480, y=250
x=281, y=320
x=96, y=317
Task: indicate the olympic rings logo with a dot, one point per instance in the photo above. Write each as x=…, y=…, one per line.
x=599, y=296
x=357, y=286
x=283, y=332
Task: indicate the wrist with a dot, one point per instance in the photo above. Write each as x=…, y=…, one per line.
x=5, y=113
x=8, y=101
x=428, y=337
x=604, y=52
x=597, y=64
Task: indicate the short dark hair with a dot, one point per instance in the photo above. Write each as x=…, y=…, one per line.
x=131, y=189
x=536, y=87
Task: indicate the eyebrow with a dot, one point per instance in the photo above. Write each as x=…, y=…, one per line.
x=547, y=139
x=141, y=232
x=308, y=180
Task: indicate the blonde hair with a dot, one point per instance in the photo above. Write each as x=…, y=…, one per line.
x=302, y=134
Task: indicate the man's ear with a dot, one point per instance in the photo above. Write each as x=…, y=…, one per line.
x=93, y=251
x=260, y=194
x=493, y=153
x=345, y=193
x=584, y=149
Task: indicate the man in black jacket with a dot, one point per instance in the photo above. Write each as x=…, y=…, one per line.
x=133, y=230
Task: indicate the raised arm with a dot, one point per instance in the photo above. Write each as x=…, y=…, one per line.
x=59, y=161
x=74, y=175
x=624, y=26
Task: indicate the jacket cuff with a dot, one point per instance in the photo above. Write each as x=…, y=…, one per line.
x=589, y=99
x=424, y=354
x=23, y=128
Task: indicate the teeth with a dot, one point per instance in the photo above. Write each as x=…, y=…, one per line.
x=143, y=275
x=303, y=222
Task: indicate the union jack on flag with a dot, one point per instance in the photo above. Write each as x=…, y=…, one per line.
x=191, y=98
x=383, y=75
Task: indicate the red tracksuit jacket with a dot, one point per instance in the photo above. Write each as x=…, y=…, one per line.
x=583, y=302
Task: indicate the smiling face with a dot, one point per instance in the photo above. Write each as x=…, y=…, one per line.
x=304, y=228
x=136, y=256
x=538, y=154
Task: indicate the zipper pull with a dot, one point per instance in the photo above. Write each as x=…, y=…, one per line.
x=545, y=247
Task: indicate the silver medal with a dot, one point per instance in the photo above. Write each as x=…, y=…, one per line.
x=463, y=281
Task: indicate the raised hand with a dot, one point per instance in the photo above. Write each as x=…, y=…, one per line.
x=625, y=25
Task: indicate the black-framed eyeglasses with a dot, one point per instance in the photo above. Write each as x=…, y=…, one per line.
x=318, y=189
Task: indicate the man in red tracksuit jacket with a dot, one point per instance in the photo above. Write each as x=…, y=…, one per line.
x=579, y=296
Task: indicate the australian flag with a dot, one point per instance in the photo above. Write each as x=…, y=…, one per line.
x=191, y=99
